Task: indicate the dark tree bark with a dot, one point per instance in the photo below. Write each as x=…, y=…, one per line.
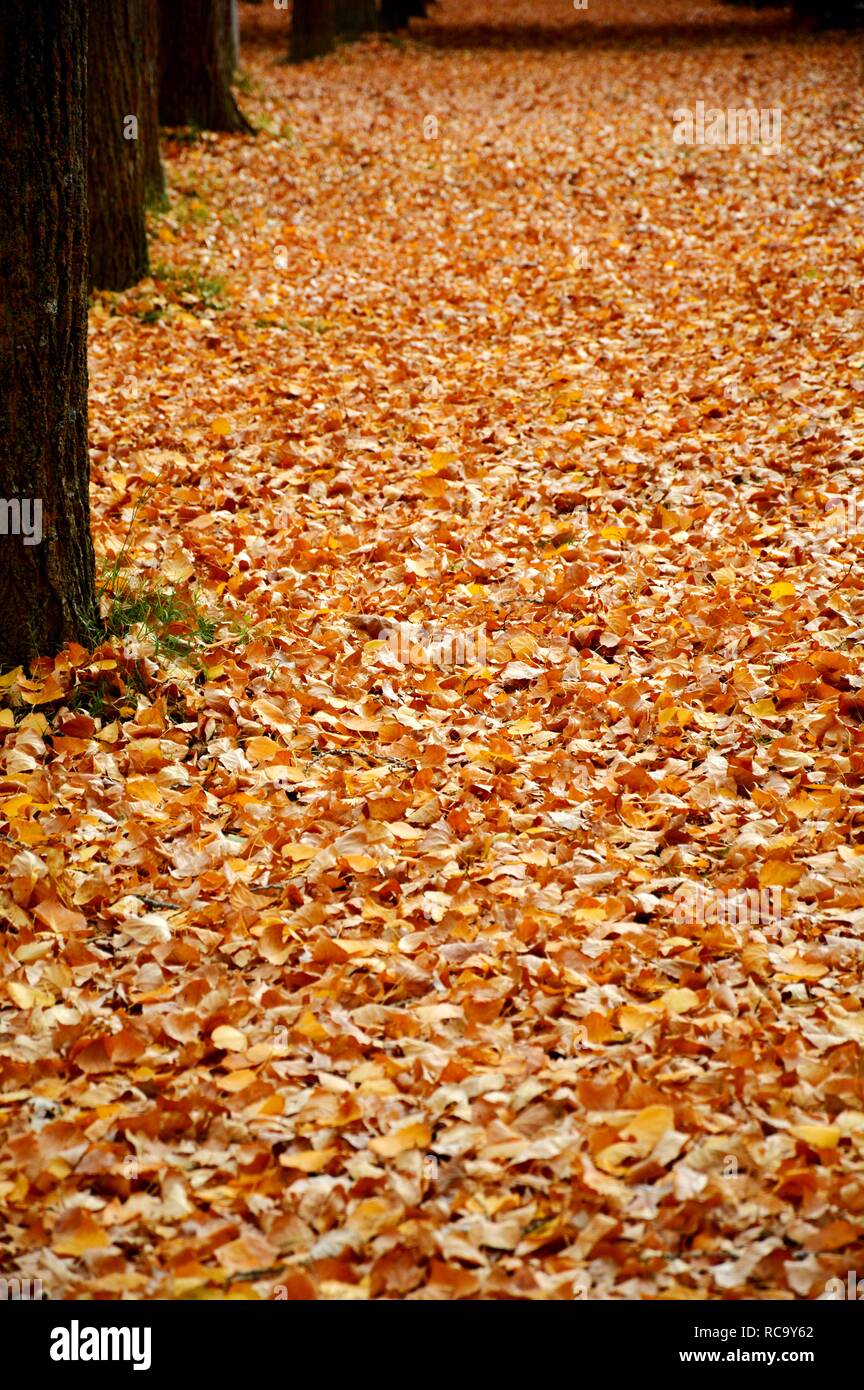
x=355, y=17
x=196, y=67
x=154, y=174
x=115, y=167
x=848, y=14
x=313, y=29
x=395, y=14
x=47, y=590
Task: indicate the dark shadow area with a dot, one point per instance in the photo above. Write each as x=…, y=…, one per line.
x=264, y=27
x=763, y=28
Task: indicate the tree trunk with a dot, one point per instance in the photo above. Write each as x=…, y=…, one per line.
x=313, y=29
x=195, y=67
x=355, y=17
x=47, y=593
x=235, y=36
x=395, y=14
x=832, y=13
x=154, y=174
x=115, y=167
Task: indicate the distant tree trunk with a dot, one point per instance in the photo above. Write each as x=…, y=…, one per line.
x=47, y=592
x=235, y=35
x=355, y=17
x=843, y=14
x=395, y=14
x=115, y=169
x=313, y=29
x=195, y=66
x=154, y=174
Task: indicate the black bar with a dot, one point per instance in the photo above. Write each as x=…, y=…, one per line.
x=229, y=1339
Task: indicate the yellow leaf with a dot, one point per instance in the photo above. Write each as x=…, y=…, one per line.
x=22, y=995
x=299, y=853
x=440, y=458
x=85, y=1236
x=799, y=969
x=310, y=1161
x=416, y=1136
x=782, y=589
x=432, y=486
x=308, y=1027
x=231, y=1039
x=360, y=863
x=779, y=873
x=221, y=425
x=679, y=713
x=29, y=832
x=635, y=1021
x=817, y=1136
x=648, y=1126
x=761, y=708
x=262, y=749
x=614, y=1158
x=37, y=722
x=237, y=1080
x=142, y=789
x=678, y=1001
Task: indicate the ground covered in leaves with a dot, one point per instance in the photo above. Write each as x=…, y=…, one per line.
x=463, y=484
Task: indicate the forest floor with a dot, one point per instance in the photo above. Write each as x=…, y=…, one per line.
x=453, y=884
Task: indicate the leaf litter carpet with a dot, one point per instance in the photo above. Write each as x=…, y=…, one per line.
x=477, y=910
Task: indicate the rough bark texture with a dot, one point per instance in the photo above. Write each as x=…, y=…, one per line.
x=115, y=167
x=313, y=29
x=196, y=67
x=46, y=590
x=355, y=17
x=154, y=174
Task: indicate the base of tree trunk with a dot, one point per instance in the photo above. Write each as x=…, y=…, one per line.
x=196, y=66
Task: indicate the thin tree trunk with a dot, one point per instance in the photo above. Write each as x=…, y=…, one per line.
x=154, y=174
x=115, y=167
x=313, y=29
x=195, y=66
x=235, y=35
x=47, y=589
